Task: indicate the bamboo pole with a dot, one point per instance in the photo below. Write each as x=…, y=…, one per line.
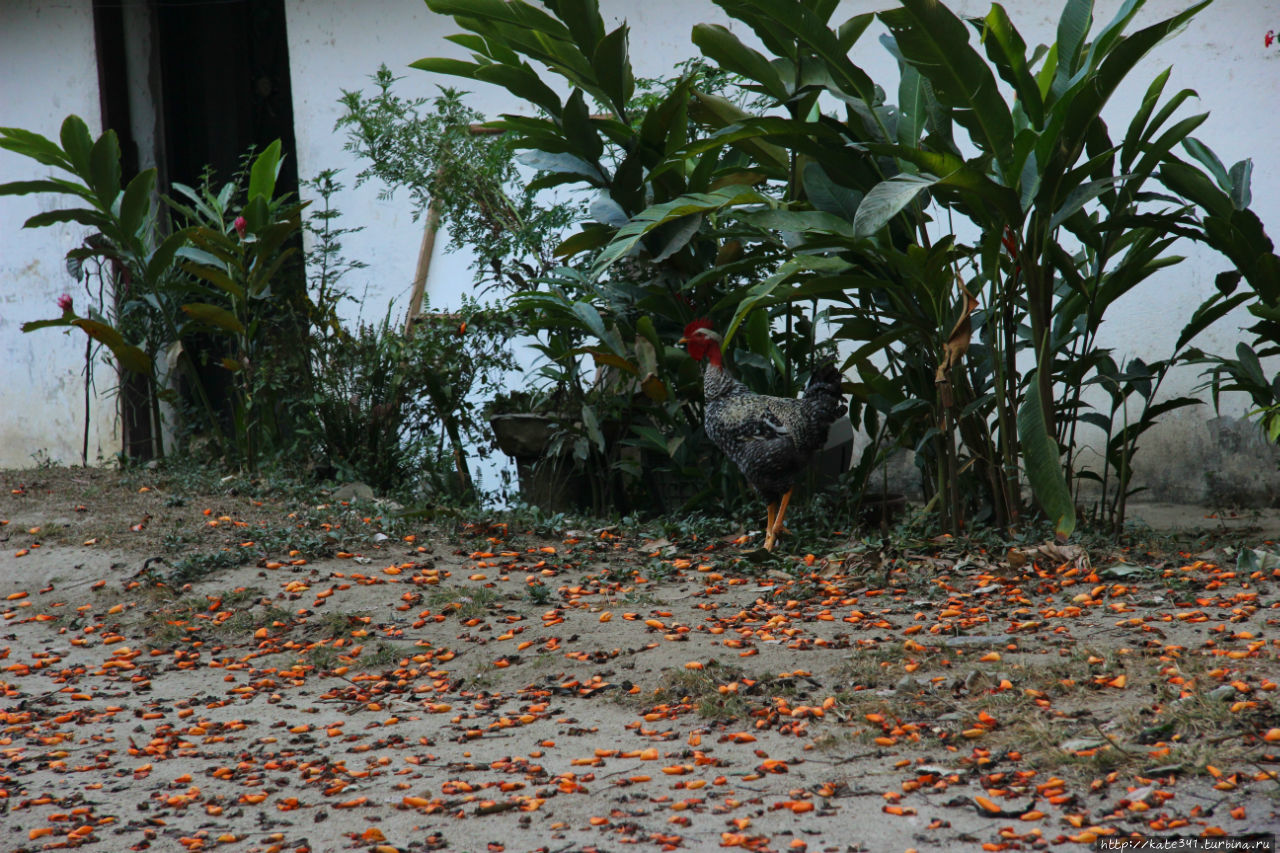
x=425, y=251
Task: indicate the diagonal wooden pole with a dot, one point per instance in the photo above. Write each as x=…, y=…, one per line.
x=425, y=251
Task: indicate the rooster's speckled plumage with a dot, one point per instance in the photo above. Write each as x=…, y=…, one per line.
x=770, y=439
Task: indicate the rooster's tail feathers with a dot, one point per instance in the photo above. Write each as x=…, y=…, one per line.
x=825, y=391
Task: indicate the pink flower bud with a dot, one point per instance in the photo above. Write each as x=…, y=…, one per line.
x=241, y=226
x=65, y=303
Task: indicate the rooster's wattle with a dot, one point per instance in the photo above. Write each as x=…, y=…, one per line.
x=770, y=439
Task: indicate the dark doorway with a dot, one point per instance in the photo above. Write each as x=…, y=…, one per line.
x=224, y=85
x=218, y=75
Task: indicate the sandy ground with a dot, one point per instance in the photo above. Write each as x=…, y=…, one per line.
x=474, y=687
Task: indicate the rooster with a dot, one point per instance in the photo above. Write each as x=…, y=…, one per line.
x=770, y=439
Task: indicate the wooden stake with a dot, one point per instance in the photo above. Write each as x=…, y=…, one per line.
x=425, y=252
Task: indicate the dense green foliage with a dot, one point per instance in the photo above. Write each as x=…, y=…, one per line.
x=825, y=200
x=957, y=234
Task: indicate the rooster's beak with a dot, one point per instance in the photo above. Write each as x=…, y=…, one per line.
x=682, y=341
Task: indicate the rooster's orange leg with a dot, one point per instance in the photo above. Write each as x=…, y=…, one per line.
x=768, y=527
x=776, y=524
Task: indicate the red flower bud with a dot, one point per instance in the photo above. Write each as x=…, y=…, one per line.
x=241, y=226
x=65, y=303
x=1269, y=38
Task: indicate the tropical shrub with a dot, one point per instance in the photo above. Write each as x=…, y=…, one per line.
x=975, y=354
x=269, y=370
x=398, y=410
x=612, y=140
x=132, y=269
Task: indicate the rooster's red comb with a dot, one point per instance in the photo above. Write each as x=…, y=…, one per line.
x=695, y=325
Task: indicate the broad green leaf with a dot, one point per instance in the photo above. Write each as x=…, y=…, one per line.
x=781, y=21
x=33, y=325
x=1008, y=51
x=215, y=276
x=954, y=173
x=591, y=319
x=162, y=258
x=77, y=143
x=1201, y=152
x=1156, y=152
x=613, y=68
x=446, y=65
x=214, y=315
x=584, y=241
x=582, y=17
x=1044, y=463
x=257, y=213
x=136, y=202
x=130, y=357
x=646, y=330
x=674, y=235
x=934, y=40
x=47, y=185
x=1096, y=88
x=516, y=13
x=886, y=200
x=605, y=210
x=913, y=108
x=1135, y=134
x=754, y=296
x=826, y=195
x=566, y=164
x=721, y=45
x=1250, y=364
x=1109, y=34
x=104, y=169
x=84, y=216
x=719, y=112
x=665, y=127
x=1241, y=177
x=848, y=33
x=800, y=221
x=1081, y=195
x=523, y=82
x=1073, y=27
x=37, y=147
x=262, y=176
x=1045, y=76
x=647, y=220
x=575, y=122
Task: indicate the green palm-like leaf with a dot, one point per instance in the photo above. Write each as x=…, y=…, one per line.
x=1044, y=463
x=130, y=357
x=718, y=43
x=935, y=41
x=688, y=205
x=886, y=200
x=214, y=315
x=104, y=169
x=1008, y=51
x=262, y=176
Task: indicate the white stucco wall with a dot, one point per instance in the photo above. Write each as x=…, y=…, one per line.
x=47, y=71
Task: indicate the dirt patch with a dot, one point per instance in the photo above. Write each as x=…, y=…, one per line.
x=261, y=670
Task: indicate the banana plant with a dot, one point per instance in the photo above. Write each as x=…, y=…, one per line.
x=867, y=185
